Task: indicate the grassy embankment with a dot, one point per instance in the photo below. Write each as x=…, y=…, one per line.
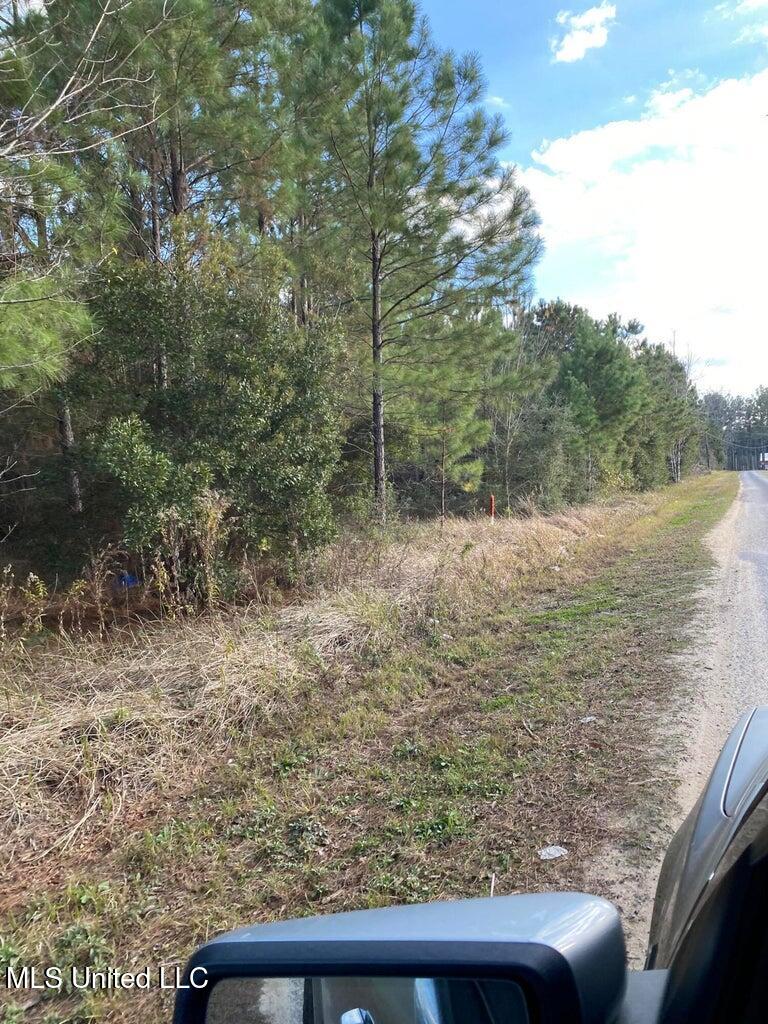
x=409, y=729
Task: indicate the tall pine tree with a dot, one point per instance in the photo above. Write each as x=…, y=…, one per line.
x=433, y=221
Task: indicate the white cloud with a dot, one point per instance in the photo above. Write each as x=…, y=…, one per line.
x=754, y=12
x=737, y=8
x=664, y=101
x=664, y=218
x=753, y=34
x=749, y=6
x=496, y=101
x=585, y=31
x=679, y=87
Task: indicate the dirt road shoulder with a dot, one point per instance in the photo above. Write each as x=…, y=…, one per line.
x=693, y=706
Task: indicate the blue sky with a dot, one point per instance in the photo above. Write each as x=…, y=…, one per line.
x=641, y=129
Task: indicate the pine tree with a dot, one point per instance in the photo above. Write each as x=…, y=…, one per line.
x=603, y=387
x=434, y=223
x=668, y=433
x=443, y=403
x=40, y=319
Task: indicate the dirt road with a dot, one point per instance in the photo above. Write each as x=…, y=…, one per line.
x=726, y=671
x=729, y=671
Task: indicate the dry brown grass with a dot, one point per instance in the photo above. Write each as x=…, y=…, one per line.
x=91, y=726
x=404, y=729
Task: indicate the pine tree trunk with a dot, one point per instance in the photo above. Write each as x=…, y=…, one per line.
x=442, y=479
x=67, y=441
x=161, y=357
x=154, y=201
x=377, y=422
x=676, y=462
x=302, y=303
x=179, y=184
x=507, y=468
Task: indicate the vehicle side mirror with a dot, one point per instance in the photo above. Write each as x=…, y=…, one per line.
x=551, y=958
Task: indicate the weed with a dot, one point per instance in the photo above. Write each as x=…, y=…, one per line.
x=11, y=955
x=13, y=1013
x=448, y=825
x=406, y=749
x=82, y=945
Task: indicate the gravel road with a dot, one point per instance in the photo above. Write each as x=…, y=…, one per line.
x=727, y=671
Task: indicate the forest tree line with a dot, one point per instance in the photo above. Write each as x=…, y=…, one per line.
x=263, y=269
x=739, y=426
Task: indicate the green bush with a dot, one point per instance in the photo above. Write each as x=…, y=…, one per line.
x=227, y=450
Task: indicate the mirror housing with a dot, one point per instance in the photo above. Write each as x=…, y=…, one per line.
x=565, y=950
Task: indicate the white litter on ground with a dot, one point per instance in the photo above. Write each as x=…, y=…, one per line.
x=552, y=852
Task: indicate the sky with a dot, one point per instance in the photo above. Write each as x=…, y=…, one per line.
x=640, y=128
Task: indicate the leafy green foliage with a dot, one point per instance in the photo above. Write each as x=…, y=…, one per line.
x=240, y=431
x=160, y=492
